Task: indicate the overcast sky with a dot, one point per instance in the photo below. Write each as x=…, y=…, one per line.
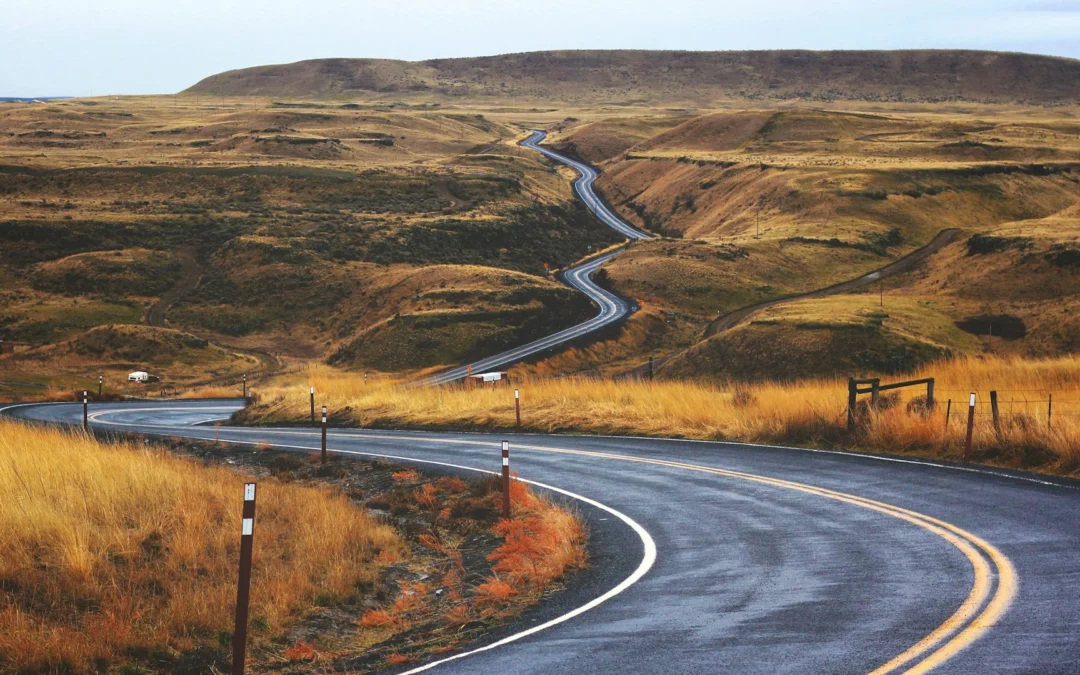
x=79, y=47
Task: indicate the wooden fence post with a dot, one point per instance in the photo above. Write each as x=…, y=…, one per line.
x=994, y=411
x=851, y=397
x=875, y=393
x=930, y=394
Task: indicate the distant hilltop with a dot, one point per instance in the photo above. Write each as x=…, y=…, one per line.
x=627, y=77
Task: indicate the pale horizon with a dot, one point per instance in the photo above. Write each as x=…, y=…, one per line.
x=61, y=48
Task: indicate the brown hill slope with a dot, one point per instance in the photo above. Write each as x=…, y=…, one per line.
x=629, y=77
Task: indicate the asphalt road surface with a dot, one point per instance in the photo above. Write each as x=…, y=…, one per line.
x=719, y=557
x=612, y=307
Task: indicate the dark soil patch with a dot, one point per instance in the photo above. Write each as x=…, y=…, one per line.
x=1004, y=326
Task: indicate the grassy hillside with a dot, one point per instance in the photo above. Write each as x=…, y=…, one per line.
x=655, y=77
x=764, y=204
x=403, y=238
x=414, y=233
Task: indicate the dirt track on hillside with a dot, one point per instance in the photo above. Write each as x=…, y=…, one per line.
x=734, y=318
x=190, y=274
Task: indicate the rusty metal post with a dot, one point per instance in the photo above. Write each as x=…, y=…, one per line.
x=970, y=427
x=243, y=586
x=994, y=411
x=323, y=434
x=311, y=390
x=506, y=478
x=85, y=412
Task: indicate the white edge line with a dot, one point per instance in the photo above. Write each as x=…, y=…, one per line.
x=647, y=560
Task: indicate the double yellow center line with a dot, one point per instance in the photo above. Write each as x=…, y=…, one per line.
x=992, y=592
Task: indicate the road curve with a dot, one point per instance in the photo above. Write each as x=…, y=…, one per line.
x=767, y=559
x=612, y=307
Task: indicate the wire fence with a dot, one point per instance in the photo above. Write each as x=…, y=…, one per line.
x=1023, y=406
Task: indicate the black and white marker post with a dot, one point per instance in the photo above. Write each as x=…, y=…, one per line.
x=85, y=412
x=324, y=434
x=100, y=381
x=245, y=385
x=243, y=587
x=506, y=478
x=970, y=427
x=311, y=390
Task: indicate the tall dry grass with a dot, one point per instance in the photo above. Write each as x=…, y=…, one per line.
x=108, y=551
x=811, y=412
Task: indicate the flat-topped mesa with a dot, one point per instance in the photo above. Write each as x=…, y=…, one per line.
x=630, y=77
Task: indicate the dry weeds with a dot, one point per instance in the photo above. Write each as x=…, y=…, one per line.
x=109, y=551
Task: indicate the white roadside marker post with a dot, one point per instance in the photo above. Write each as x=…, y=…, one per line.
x=85, y=412
x=243, y=586
x=311, y=391
x=324, y=434
x=506, y=478
x=970, y=427
x=517, y=407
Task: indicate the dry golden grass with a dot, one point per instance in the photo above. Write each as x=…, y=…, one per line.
x=803, y=412
x=108, y=551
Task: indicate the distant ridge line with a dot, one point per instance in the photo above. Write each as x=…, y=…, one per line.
x=651, y=77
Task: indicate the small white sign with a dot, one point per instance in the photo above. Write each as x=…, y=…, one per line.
x=249, y=492
x=249, y=526
x=972, y=401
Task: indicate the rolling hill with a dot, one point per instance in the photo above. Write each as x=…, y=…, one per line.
x=626, y=77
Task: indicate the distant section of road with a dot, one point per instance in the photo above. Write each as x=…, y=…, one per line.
x=583, y=186
x=612, y=307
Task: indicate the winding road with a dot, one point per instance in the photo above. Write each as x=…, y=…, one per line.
x=719, y=557
x=612, y=307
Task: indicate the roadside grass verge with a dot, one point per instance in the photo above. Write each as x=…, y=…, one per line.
x=810, y=412
x=112, y=553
